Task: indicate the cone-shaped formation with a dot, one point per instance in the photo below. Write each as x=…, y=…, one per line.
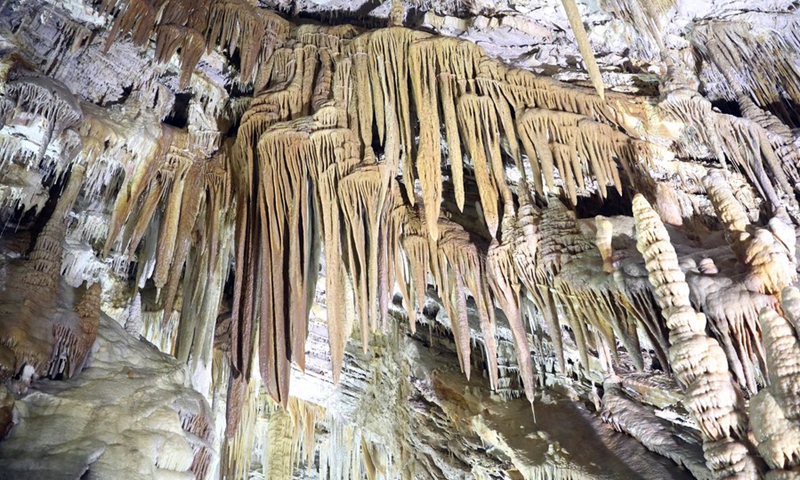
x=768, y=252
x=585, y=48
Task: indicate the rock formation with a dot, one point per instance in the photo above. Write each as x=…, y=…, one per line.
x=360, y=233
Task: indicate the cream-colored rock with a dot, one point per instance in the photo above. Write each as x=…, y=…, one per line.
x=130, y=414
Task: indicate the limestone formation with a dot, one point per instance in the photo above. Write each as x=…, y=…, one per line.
x=365, y=231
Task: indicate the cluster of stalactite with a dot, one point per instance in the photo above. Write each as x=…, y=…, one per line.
x=169, y=196
x=326, y=164
x=306, y=170
x=194, y=27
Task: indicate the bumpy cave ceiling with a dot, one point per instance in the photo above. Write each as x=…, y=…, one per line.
x=325, y=239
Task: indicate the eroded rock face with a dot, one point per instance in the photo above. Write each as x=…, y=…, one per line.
x=131, y=413
x=589, y=205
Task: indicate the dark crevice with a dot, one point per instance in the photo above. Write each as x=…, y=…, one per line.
x=729, y=107
x=179, y=116
x=613, y=204
x=126, y=92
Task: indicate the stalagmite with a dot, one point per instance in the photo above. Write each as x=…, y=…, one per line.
x=42, y=334
x=133, y=324
x=775, y=417
x=698, y=361
x=603, y=239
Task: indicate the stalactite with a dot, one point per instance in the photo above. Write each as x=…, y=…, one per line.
x=282, y=101
x=413, y=263
x=559, y=240
x=430, y=59
x=303, y=173
x=50, y=99
x=290, y=157
x=191, y=199
x=170, y=220
x=585, y=48
x=138, y=181
x=598, y=303
x=208, y=266
x=461, y=268
x=479, y=126
x=730, y=42
x=363, y=200
x=240, y=435
x=382, y=81
x=339, y=328
x=136, y=17
x=581, y=144
x=525, y=254
x=229, y=24
x=739, y=141
x=171, y=38
x=505, y=288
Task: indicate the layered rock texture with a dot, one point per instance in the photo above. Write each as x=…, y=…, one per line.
x=346, y=240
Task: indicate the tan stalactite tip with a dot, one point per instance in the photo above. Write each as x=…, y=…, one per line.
x=585, y=48
x=603, y=239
